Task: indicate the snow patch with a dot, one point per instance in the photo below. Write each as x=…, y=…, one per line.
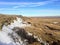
x=18, y=23
x=4, y=37
x=7, y=33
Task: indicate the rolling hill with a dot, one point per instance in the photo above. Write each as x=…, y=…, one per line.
x=46, y=28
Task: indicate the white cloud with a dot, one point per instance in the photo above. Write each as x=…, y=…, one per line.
x=27, y=4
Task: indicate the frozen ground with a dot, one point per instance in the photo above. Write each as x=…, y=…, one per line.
x=5, y=34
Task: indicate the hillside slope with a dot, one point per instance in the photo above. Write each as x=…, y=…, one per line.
x=46, y=28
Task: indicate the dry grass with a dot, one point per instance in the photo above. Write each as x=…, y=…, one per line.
x=5, y=19
x=44, y=28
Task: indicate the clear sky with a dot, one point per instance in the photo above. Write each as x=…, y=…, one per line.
x=30, y=7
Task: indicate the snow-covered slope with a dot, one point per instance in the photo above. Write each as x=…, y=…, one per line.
x=7, y=33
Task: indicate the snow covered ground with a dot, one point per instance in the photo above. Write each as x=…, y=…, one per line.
x=7, y=33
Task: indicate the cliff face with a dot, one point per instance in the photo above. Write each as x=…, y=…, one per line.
x=39, y=31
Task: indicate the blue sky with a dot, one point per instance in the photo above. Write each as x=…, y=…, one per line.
x=30, y=7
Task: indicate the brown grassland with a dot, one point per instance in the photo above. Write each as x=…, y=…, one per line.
x=47, y=28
